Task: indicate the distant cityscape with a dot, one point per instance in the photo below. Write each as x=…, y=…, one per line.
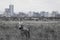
x=9, y=12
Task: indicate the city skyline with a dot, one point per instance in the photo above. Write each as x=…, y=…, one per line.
x=31, y=5
x=9, y=12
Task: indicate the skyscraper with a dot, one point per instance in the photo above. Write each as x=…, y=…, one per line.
x=11, y=10
x=7, y=13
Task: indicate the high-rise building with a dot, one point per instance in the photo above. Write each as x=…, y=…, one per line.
x=7, y=13
x=36, y=14
x=21, y=14
x=54, y=13
x=44, y=14
x=11, y=10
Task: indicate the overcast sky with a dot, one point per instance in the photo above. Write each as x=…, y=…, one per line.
x=31, y=5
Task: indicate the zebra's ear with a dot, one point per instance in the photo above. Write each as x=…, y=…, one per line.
x=20, y=23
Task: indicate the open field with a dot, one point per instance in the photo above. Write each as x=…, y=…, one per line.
x=40, y=30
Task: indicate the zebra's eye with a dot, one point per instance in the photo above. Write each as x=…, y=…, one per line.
x=19, y=28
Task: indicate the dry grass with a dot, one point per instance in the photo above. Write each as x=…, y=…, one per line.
x=40, y=30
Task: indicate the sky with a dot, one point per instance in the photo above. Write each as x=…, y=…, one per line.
x=31, y=5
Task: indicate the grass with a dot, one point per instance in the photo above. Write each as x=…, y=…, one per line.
x=40, y=30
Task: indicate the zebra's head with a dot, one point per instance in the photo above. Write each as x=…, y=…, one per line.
x=20, y=24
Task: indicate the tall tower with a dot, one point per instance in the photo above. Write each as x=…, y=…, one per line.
x=11, y=9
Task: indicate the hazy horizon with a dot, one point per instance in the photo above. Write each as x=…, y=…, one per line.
x=31, y=5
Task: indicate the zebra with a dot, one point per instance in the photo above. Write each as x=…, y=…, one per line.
x=24, y=31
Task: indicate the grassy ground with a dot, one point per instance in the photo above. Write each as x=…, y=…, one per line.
x=40, y=30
